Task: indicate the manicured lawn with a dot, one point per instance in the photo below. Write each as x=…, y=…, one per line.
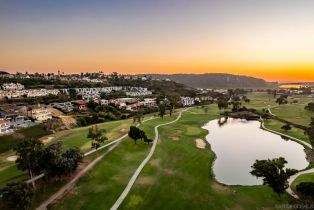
x=72, y=138
x=294, y=132
x=295, y=112
x=78, y=137
x=101, y=187
x=178, y=176
x=260, y=101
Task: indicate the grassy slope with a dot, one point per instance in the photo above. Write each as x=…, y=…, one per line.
x=100, y=187
x=71, y=138
x=178, y=176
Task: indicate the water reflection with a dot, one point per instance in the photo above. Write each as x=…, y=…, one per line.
x=238, y=143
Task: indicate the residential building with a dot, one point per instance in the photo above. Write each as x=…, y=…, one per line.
x=4, y=126
x=187, y=101
x=12, y=86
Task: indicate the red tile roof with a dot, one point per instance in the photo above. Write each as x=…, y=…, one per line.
x=2, y=121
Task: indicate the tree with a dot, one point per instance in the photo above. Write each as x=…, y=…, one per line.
x=92, y=104
x=29, y=153
x=70, y=160
x=17, y=196
x=51, y=158
x=162, y=110
x=222, y=103
x=97, y=136
x=286, y=127
x=56, y=163
x=72, y=93
x=283, y=99
x=310, y=132
x=273, y=173
x=172, y=102
x=135, y=133
x=138, y=117
x=310, y=106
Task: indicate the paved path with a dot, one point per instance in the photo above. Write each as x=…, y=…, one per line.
x=140, y=168
x=90, y=152
x=70, y=184
x=294, y=177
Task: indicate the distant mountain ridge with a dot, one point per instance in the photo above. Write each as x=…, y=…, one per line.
x=213, y=80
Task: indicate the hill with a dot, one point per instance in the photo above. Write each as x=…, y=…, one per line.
x=213, y=80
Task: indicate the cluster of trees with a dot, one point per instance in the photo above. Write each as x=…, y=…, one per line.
x=34, y=158
x=233, y=99
x=97, y=136
x=273, y=173
x=283, y=99
x=135, y=133
x=113, y=95
x=17, y=195
x=168, y=102
x=95, y=118
x=310, y=106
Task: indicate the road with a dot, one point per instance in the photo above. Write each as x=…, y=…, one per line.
x=144, y=162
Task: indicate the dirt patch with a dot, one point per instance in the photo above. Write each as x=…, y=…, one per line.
x=48, y=139
x=146, y=180
x=18, y=136
x=123, y=130
x=219, y=188
x=168, y=171
x=200, y=143
x=155, y=163
x=12, y=158
x=175, y=138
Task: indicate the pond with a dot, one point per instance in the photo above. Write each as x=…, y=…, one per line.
x=238, y=143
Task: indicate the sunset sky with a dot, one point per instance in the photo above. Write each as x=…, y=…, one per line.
x=270, y=39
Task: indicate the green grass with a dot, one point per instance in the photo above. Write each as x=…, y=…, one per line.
x=8, y=142
x=260, y=101
x=303, y=178
x=72, y=138
x=77, y=137
x=183, y=179
x=295, y=112
x=294, y=132
x=101, y=186
x=178, y=176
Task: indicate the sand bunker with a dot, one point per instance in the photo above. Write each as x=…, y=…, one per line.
x=175, y=138
x=48, y=139
x=200, y=143
x=12, y=158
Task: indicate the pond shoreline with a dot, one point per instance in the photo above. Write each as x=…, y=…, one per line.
x=262, y=127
